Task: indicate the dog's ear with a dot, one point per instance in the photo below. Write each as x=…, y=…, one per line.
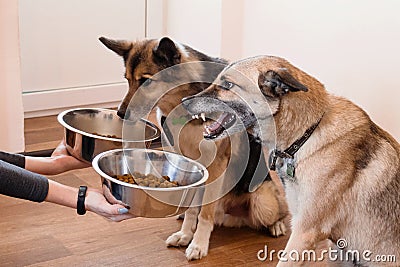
x=166, y=52
x=120, y=47
x=279, y=82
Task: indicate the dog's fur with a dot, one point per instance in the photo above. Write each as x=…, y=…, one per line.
x=347, y=174
x=265, y=207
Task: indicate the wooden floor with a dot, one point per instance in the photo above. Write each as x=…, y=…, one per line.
x=42, y=133
x=45, y=234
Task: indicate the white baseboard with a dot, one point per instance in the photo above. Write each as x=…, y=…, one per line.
x=52, y=102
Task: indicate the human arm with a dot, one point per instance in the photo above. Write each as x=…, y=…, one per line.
x=20, y=183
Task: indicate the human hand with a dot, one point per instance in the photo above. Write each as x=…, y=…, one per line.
x=60, y=161
x=97, y=203
x=64, y=161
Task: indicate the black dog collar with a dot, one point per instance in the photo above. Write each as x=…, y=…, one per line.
x=80, y=206
x=291, y=150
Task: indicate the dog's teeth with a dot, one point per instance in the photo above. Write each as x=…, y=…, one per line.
x=196, y=116
x=193, y=117
x=203, y=116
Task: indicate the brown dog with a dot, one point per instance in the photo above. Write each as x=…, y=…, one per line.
x=265, y=207
x=340, y=170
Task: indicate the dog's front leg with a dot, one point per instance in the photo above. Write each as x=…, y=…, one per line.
x=198, y=248
x=301, y=245
x=185, y=235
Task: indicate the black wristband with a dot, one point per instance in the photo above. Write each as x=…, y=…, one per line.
x=80, y=205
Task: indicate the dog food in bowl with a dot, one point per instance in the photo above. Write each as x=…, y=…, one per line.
x=146, y=201
x=149, y=180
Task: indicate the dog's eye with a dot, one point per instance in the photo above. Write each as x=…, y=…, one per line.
x=227, y=85
x=144, y=81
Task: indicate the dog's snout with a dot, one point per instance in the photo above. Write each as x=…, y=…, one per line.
x=188, y=98
x=187, y=102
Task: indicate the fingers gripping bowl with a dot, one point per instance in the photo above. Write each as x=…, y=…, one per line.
x=90, y=131
x=145, y=201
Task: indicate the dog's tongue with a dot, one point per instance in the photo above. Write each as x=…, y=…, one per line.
x=223, y=122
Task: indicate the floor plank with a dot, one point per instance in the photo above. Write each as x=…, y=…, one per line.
x=42, y=133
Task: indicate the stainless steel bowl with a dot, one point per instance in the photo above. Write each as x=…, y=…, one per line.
x=147, y=201
x=90, y=131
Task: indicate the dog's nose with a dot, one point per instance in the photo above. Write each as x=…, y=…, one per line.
x=123, y=113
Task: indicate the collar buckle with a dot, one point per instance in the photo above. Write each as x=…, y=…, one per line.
x=283, y=154
x=290, y=151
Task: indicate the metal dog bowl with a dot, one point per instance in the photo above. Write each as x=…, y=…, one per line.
x=90, y=131
x=148, y=201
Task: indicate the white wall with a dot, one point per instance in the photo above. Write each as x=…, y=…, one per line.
x=232, y=18
x=65, y=60
x=11, y=118
x=196, y=23
x=350, y=46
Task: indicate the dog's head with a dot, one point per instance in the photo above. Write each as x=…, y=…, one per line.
x=252, y=91
x=143, y=59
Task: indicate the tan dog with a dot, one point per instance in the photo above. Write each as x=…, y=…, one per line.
x=340, y=170
x=265, y=207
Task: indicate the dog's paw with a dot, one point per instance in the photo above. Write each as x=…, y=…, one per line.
x=179, y=239
x=196, y=251
x=277, y=229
